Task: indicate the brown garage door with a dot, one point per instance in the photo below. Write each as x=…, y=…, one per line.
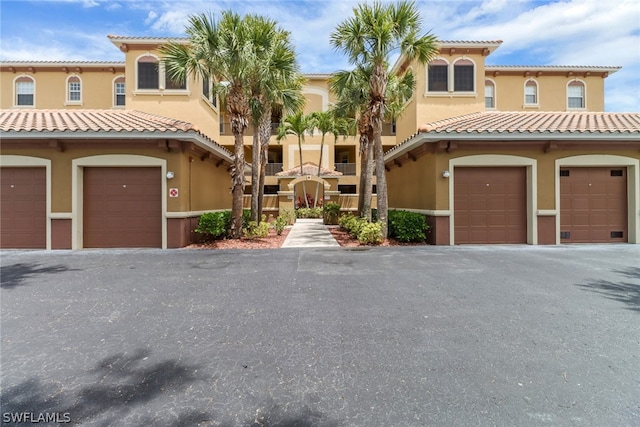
x=490, y=205
x=593, y=205
x=24, y=208
x=122, y=207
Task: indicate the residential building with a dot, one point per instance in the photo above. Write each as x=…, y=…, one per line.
x=456, y=87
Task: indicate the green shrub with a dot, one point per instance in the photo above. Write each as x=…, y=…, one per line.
x=253, y=230
x=370, y=233
x=407, y=226
x=289, y=215
x=214, y=224
x=280, y=223
x=331, y=213
x=309, y=213
x=352, y=224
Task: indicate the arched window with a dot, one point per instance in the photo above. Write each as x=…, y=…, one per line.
x=25, y=89
x=148, y=72
x=575, y=94
x=119, y=91
x=74, y=90
x=531, y=92
x=463, y=76
x=438, y=80
x=489, y=94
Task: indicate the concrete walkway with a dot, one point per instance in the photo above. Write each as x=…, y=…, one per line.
x=309, y=233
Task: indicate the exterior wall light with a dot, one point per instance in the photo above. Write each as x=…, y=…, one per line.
x=170, y=175
x=446, y=174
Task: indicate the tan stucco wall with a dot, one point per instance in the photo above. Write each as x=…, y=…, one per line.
x=552, y=92
x=426, y=174
x=51, y=88
x=209, y=185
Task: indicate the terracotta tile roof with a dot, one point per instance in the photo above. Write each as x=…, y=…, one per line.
x=26, y=123
x=579, y=68
x=308, y=168
x=62, y=63
x=545, y=123
x=525, y=126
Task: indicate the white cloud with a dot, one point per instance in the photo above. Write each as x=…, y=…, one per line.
x=150, y=17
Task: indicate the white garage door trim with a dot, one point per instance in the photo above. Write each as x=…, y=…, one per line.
x=106, y=160
x=606, y=160
x=483, y=160
x=10, y=160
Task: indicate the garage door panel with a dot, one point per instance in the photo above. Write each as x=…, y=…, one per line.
x=593, y=204
x=495, y=210
x=23, y=213
x=122, y=207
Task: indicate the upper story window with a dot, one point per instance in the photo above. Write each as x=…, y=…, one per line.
x=206, y=92
x=152, y=76
x=171, y=84
x=463, y=76
x=531, y=92
x=148, y=72
x=575, y=94
x=438, y=76
x=489, y=94
x=25, y=91
x=74, y=90
x=119, y=91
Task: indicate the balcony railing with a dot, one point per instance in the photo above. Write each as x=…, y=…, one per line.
x=346, y=168
x=272, y=169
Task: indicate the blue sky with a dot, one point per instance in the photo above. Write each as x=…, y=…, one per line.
x=534, y=32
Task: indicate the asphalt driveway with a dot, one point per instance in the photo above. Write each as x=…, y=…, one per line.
x=414, y=336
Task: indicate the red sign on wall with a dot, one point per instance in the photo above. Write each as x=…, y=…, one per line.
x=173, y=192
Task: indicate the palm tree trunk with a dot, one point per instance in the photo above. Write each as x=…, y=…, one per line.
x=378, y=86
x=304, y=185
x=265, y=136
x=238, y=110
x=366, y=177
x=255, y=172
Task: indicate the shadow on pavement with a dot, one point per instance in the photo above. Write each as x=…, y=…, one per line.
x=624, y=291
x=120, y=384
x=12, y=276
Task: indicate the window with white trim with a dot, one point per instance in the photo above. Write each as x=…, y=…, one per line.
x=531, y=93
x=463, y=76
x=119, y=93
x=489, y=94
x=25, y=91
x=575, y=95
x=206, y=92
x=438, y=80
x=74, y=90
x=171, y=84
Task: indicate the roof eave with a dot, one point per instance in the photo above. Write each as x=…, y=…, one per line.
x=198, y=139
x=431, y=137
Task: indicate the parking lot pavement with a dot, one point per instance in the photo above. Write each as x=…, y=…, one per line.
x=410, y=336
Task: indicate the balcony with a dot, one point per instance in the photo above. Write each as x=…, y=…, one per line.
x=346, y=168
x=272, y=169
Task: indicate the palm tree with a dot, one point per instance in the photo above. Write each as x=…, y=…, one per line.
x=276, y=81
x=351, y=90
x=224, y=50
x=327, y=122
x=297, y=124
x=369, y=38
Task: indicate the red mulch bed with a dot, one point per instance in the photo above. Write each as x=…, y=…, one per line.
x=343, y=238
x=272, y=241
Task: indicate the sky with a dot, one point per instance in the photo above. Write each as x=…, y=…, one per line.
x=534, y=32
